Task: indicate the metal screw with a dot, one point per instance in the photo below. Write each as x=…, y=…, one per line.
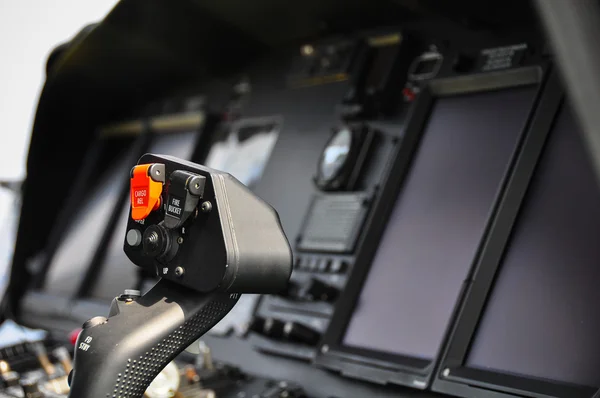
x=179, y=271
x=446, y=372
x=153, y=237
x=325, y=348
x=206, y=207
x=180, y=240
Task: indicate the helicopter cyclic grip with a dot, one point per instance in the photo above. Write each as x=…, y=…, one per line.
x=209, y=239
x=119, y=356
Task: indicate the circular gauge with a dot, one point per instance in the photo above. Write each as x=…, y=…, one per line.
x=334, y=164
x=166, y=384
x=335, y=154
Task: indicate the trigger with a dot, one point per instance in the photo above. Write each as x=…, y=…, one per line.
x=146, y=188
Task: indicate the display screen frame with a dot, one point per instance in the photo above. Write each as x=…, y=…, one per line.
x=453, y=376
x=381, y=367
x=103, y=147
x=138, y=134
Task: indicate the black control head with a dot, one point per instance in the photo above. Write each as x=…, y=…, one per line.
x=203, y=229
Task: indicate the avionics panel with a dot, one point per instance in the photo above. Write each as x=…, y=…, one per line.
x=449, y=173
x=530, y=322
x=87, y=220
x=73, y=263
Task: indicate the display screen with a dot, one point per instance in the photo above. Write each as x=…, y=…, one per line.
x=542, y=316
x=244, y=151
x=77, y=248
x=438, y=222
x=118, y=272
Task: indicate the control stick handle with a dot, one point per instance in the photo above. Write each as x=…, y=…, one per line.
x=140, y=337
x=208, y=238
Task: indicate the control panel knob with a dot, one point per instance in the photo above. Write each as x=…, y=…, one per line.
x=297, y=332
x=268, y=327
x=11, y=379
x=273, y=328
x=292, y=291
x=319, y=290
x=31, y=389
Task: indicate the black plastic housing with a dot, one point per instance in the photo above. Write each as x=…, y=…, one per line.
x=236, y=246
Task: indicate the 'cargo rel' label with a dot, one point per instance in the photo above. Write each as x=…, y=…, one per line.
x=140, y=196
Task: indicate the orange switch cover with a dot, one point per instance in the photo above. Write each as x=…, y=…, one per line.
x=146, y=188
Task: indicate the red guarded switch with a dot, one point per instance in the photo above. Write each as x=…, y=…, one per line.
x=146, y=188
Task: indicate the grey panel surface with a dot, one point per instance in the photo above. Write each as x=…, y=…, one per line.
x=318, y=383
x=118, y=272
x=438, y=222
x=542, y=317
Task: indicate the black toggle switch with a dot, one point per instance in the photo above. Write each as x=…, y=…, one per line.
x=319, y=290
x=185, y=190
x=338, y=266
x=268, y=327
x=273, y=328
x=31, y=389
x=296, y=332
x=292, y=291
x=257, y=325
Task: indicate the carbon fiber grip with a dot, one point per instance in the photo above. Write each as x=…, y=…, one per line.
x=121, y=357
x=139, y=372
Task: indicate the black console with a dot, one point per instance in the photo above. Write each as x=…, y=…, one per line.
x=435, y=191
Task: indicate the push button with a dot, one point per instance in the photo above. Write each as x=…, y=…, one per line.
x=146, y=187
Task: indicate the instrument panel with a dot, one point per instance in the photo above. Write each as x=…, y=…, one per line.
x=439, y=203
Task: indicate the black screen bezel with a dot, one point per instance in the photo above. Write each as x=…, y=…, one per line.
x=383, y=367
x=138, y=134
x=453, y=376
